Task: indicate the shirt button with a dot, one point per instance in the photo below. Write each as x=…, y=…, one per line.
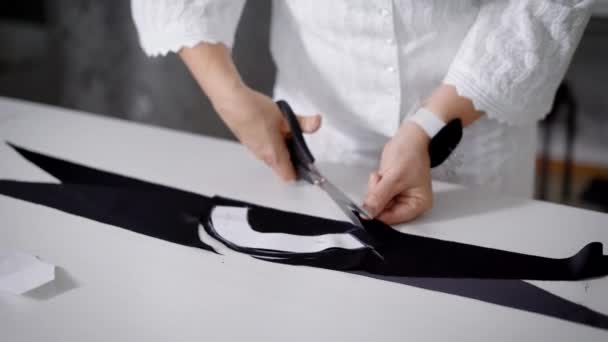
x=390, y=41
x=384, y=12
x=390, y=69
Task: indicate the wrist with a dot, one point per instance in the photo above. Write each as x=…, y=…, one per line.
x=226, y=89
x=225, y=96
x=448, y=105
x=430, y=122
x=414, y=135
x=441, y=138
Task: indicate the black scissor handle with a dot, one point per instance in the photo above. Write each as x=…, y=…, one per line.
x=298, y=150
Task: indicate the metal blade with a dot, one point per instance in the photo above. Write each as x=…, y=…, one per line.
x=348, y=207
x=346, y=204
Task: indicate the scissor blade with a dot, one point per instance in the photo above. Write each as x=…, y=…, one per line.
x=347, y=206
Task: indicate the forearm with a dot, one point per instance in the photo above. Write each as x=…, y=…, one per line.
x=446, y=103
x=212, y=67
x=253, y=117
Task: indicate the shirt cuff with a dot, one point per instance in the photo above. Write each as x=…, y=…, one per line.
x=483, y=101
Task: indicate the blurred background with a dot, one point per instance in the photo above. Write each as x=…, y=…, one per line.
x=85, y=55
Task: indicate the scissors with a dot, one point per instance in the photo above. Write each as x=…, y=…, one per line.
x=303, y=162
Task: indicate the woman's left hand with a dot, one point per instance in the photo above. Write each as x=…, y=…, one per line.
x=400, y=190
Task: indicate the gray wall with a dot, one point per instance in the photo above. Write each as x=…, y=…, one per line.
x=87, y=57
x=588, y=75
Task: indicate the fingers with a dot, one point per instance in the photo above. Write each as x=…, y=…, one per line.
x=405, y=209
x=277, y=157
x=374, y=178
x=309, y=124
x=381, y=190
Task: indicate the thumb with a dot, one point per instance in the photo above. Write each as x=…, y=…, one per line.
x=309, y=124
x=381, y=189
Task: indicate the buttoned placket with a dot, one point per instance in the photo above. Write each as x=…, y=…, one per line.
x=392, y=119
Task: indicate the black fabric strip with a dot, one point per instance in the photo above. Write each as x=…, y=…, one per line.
x=173, y=215
x=161, y=215
x=418, y=256
x=71, y=173
x=411, y=255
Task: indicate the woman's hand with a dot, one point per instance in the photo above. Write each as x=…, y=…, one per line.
x=253, y=117
x=400, y=190
x=257, y=122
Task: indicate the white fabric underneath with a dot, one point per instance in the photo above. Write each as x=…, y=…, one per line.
x=231, y=224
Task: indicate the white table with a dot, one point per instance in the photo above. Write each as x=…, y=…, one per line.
x=114, y=285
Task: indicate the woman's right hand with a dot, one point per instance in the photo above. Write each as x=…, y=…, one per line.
x=257, y=122
x=252, y=116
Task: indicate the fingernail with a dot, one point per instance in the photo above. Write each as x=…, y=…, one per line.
x=366, y=217
x=369, y=210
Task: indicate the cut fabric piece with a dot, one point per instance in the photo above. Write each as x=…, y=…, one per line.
x=333, y=254
x=233, y=225
x=174, y=215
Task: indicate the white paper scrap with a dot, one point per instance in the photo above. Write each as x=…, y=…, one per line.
x=21, y=272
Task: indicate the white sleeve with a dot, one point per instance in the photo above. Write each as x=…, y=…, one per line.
x=168, y=25
x=516, y=54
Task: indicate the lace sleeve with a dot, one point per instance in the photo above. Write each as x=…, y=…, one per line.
x=516, y=54
x=168, y=25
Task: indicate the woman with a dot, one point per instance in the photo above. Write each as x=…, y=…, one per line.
x=373, y=68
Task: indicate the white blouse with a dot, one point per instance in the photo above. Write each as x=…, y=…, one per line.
x=365, y=65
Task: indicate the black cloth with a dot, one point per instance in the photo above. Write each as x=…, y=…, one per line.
x=418, y=256
x=461, y=269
